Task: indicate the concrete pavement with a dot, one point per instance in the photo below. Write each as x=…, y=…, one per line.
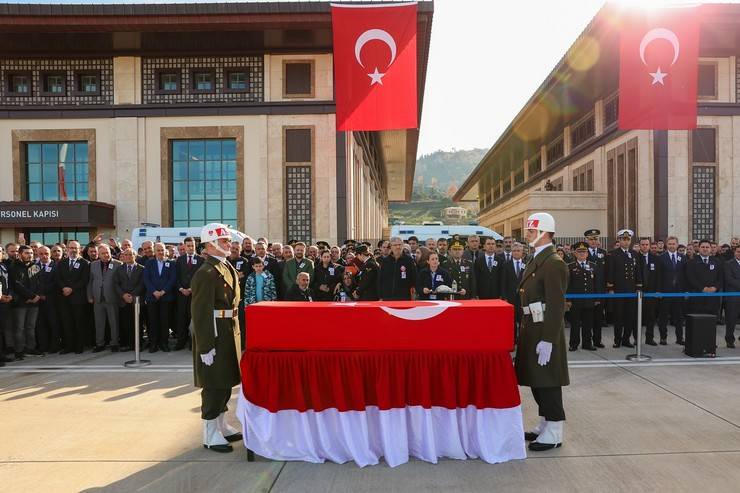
x=84, y=423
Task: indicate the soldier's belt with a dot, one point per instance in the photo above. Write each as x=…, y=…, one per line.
x=526, y=311
x=225, y=313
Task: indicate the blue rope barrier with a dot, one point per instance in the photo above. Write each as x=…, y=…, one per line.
x=603, y=296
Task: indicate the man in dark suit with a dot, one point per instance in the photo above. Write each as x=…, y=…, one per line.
x=650, y=266
x=513, y=270
x=489, y=272
x=128, y=282
x=185, y=266
x=623, y=276
x=300, y=290
x=597, y=255
x=704, y=275
x=672, y=280
x=72, y=276
x=732, y=305
x=367, y=283
x=160, y=279
x=48, y=331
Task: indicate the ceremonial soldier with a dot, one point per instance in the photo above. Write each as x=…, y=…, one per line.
x=216, y=338
x=582, y=280
x=623, y=276
x=461, y=271
x=597, y=255
x=541, y=360
x=367, y=278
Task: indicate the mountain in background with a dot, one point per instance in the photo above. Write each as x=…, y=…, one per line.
x=438, y=176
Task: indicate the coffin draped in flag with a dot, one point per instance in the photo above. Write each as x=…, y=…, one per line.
x=375, y=66
x=658, y=69
x=361, y=402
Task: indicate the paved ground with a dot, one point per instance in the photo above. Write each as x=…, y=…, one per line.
x=83, y=423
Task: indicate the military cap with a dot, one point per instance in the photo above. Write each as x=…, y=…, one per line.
x=581, y=245
x=625, y=233
x=457, y=243
x=591, y=233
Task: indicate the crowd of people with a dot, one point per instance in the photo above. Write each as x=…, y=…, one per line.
x=66, y=297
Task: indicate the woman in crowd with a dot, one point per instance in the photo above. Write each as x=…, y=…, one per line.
x=326, y=278
x=422, y=258
x=346, y=288
x=431, y=277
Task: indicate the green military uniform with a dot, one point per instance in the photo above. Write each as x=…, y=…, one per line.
x=215, y=287
x=545, y=279
x=462, y=274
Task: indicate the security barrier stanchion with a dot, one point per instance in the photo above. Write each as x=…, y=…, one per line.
x=638, y=356
x=138, y=362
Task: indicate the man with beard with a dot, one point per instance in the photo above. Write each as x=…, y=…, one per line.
x=297, y=264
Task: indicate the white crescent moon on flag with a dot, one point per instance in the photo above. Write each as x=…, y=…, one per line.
x=420, y=312
x=370, y=35
x=659, y=33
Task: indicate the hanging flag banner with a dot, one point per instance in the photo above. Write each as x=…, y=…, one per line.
x=375, y=66
x=658, y=69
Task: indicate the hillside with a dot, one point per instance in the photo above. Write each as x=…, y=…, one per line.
x=438, y=176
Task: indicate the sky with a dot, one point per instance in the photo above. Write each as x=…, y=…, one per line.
x=487, y=57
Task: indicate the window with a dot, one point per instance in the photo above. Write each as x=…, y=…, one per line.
x=19, y=84
x=535, y=164
x=168, y=82
x=54, y=84
x=298, y=158
x=48, y=236
x=703, y=145
x=583, y=178
x=554, y=151
x=611, y=111
x=203, y=181
x=203, y=80
x=703, y=216
x=56, y=171
x=707, y=85
x=88, y=83
x=298, y=79
x=236, y=81
x=582, y=131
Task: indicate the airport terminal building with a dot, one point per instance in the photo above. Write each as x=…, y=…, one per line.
x=564, y=154
x=117, y=115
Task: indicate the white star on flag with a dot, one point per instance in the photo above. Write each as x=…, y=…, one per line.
x=376, y=77
x=658, y=77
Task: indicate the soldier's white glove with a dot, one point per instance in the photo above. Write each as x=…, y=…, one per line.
x=544, y=351
x=208, y=357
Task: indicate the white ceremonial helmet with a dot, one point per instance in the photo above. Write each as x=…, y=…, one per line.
x=212, y=232
x=542, y=222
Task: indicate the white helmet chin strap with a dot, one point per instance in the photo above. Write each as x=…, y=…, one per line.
x=537, y=238
x=220, y=250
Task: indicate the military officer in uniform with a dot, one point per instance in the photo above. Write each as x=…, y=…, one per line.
x=367, y=278
x=624, y=276
x=216, y=338
x=597, y=255
x=461, y=271
x=541, y=357
x=582, y=280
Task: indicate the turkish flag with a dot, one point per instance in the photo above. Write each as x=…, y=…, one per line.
x=658, y=69
x=375, y=66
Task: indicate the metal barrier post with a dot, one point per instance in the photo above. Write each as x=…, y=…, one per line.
x=138, y=362
x=639, y=356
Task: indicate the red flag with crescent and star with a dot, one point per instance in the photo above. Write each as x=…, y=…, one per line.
x=375, y=66
x=658, y=69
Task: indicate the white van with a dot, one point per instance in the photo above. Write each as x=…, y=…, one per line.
x=424, y=231
x=172, y=236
